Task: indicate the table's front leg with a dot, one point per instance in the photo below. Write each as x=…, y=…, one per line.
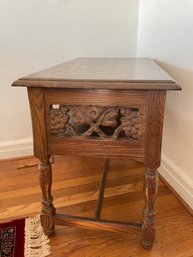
x=155, y=101
x=48, y=209
x=149, y=213
x=37, y=107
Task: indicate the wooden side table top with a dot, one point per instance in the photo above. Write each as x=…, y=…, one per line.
x=103, y=73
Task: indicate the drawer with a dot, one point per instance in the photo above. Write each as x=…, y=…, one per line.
x=99, y=123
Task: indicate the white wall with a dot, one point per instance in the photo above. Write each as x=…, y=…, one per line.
x=41, y=33
x=166, y=34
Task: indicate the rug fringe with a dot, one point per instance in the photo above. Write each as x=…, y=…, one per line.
x=36, y=242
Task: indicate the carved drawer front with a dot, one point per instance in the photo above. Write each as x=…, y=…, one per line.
x=95, y=123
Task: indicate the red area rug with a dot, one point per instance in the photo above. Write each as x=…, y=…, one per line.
x=23, y=238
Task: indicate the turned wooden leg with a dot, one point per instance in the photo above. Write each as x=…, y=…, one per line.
x=48, y=209
x=148, y=219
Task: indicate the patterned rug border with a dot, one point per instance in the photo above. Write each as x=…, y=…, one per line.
x=23, y=238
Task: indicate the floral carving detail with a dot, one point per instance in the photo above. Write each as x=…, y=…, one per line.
x=110, y=118
x=130, y=122
x=59, y=118
x=82, y=115
x=95, y=121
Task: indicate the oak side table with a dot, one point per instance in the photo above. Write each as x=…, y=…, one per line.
x=103, y=107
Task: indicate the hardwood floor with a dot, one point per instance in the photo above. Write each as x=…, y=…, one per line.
x=75, y=189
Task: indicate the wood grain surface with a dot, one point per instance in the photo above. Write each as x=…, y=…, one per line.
x=103, y=73
x=37, y=108
x=75, y=189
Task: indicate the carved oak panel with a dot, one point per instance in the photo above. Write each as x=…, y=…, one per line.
x=117, y=123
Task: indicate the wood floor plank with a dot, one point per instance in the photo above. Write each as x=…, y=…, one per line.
x=75, y=189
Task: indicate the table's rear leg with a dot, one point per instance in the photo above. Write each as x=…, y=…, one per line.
x=149, y=213
x=48, y=209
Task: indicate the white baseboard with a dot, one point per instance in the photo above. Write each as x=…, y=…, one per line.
x=178, y=179
x=18, y=148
